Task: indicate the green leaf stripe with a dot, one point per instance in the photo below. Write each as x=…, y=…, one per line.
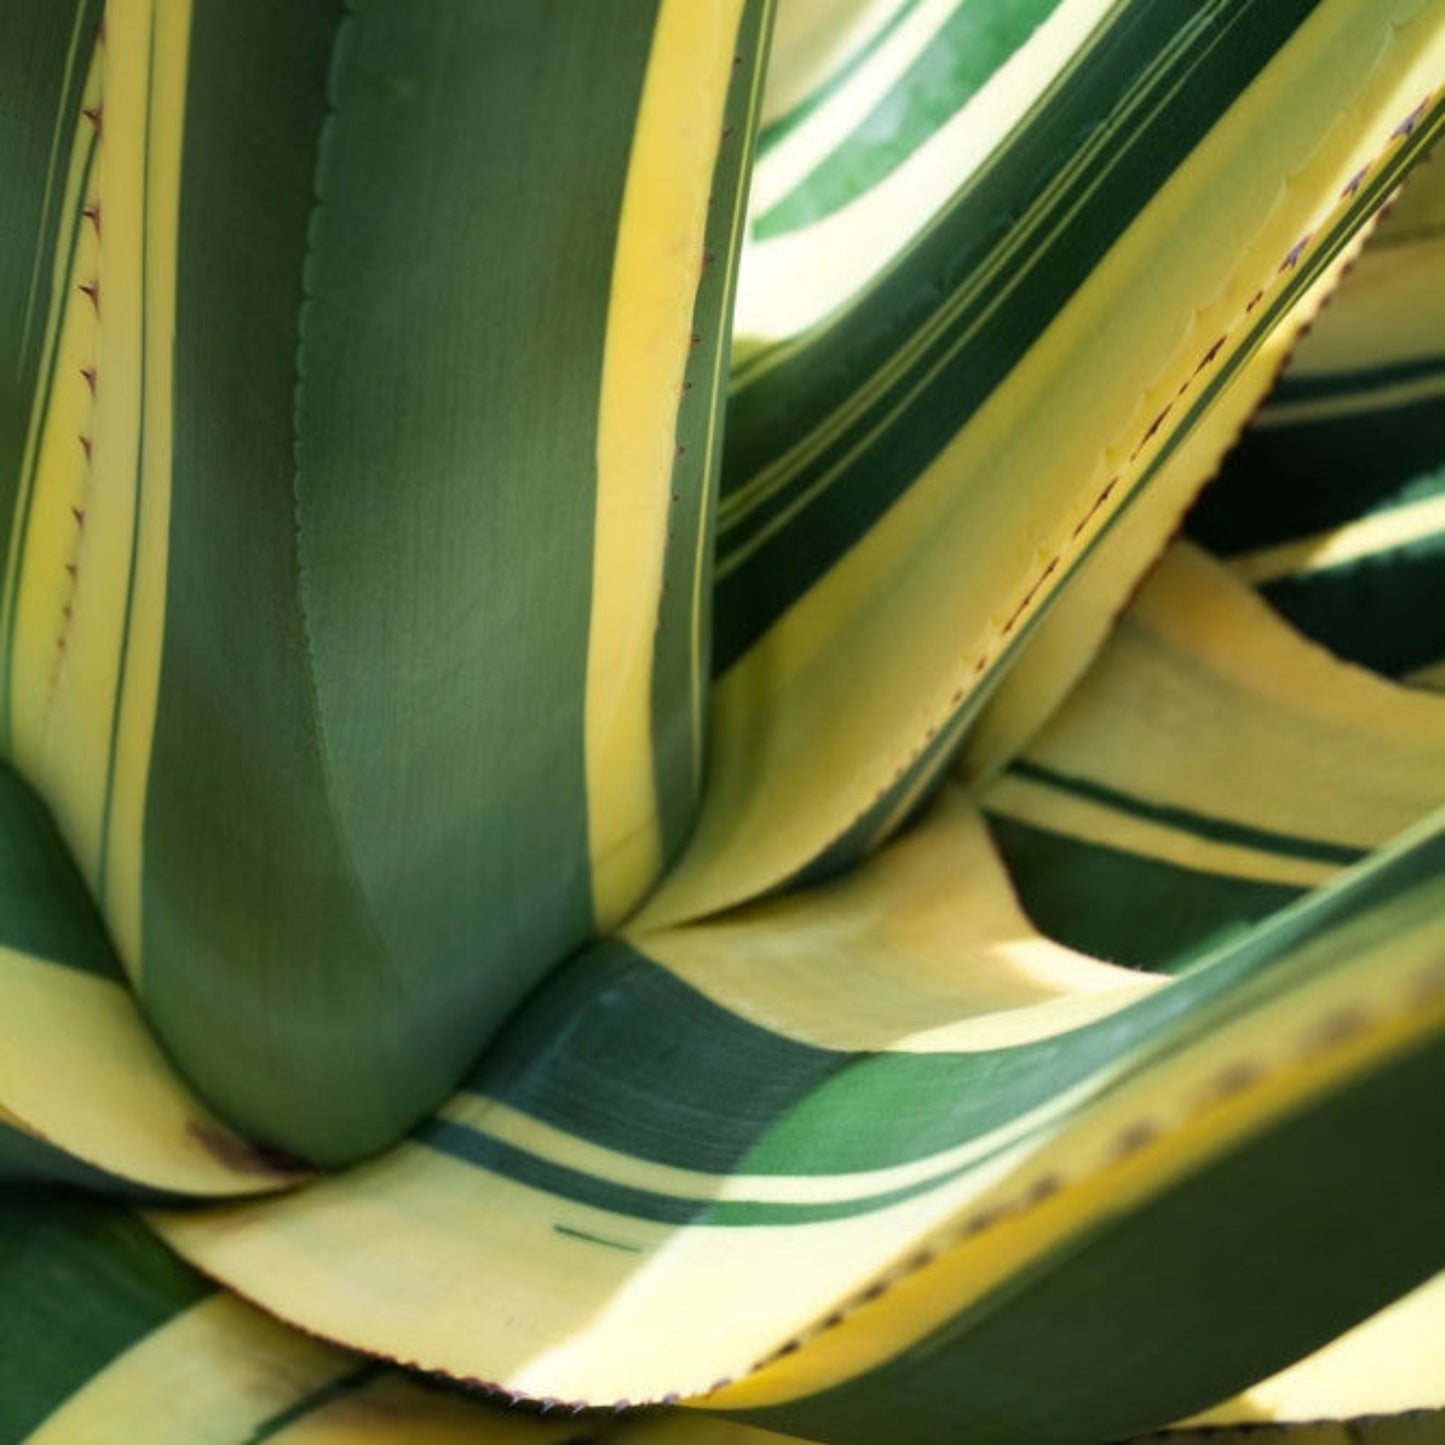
x=1308, y=387
x=957, y=61
x=1325, y=473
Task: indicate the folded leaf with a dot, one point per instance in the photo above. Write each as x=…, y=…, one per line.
x=86, y=1093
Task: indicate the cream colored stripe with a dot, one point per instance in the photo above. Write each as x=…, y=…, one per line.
x=864, y=1001
x=80, y=1069
x=506, y=1125
x=923, y=949
x=498, y=1121
x=209, y=1376
x=77, y=745
x=793, y=158
x=1380, y=532
x=1028, y=801
x=1202, y=684
x=413, y=1252
x=654, y=284
x=60, y=121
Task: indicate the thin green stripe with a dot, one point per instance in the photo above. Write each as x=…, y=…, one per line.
x=101, y=881
x=1309, y=386
x=471, y=1146
x=568, y=1232
x=682, y=664
x=1201, y=825
x=339, y=1389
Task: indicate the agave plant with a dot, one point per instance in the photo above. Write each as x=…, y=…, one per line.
x=640, y=770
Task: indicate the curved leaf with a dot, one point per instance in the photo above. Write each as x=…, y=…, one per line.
x=631, y=1146
x=934, y=495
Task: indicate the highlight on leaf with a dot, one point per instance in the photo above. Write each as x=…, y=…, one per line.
x=721, y=722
